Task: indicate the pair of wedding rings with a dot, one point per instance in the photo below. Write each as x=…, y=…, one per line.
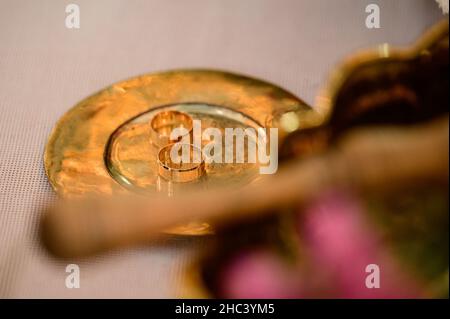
x=186, y=168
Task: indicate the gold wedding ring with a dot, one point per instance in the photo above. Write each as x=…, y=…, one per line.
x=163, y=123
x=186, y=168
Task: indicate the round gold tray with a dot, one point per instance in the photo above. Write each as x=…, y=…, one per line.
x=103, y=146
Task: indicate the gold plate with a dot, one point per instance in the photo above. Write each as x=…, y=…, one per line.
x=102, y=145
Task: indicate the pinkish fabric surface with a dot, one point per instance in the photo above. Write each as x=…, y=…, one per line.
x=46, y=68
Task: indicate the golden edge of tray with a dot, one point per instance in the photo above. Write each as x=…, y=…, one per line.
x=325, y=100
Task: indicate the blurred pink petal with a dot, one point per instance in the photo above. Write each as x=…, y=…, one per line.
x=259, y=274
x=342, y=244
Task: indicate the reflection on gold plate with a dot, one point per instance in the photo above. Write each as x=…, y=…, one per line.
x=102, y=146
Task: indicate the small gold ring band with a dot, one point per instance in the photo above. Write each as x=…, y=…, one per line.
x=163, y=123
x=182, y=171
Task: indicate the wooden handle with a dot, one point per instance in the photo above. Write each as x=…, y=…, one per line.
x=366, y=160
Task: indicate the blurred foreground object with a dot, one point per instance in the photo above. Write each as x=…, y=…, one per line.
x=338, y=244
x=403, y=230
x=368, y=160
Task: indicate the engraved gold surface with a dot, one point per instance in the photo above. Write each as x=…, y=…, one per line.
x=101, y=145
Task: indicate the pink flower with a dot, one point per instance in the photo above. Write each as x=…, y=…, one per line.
x=338, y=245
x=260, y=275
x=341, y=243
